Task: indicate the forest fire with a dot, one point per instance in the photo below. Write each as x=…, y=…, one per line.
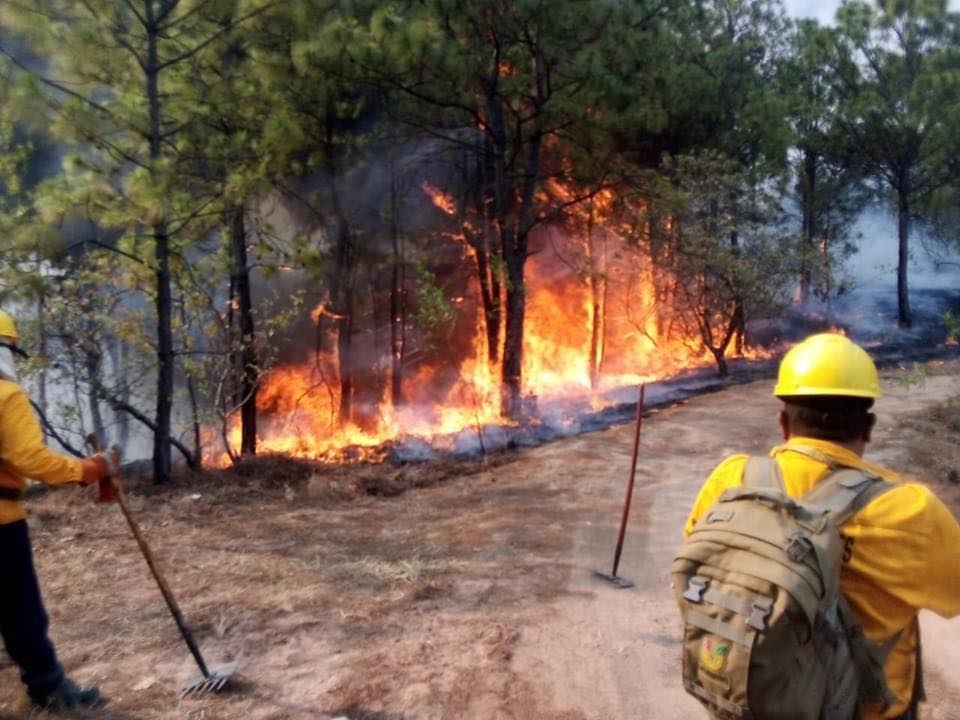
x=593, y=322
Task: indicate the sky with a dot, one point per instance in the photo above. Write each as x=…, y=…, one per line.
x=824, y=10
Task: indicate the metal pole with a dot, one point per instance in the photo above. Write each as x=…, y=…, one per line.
x=633, y=473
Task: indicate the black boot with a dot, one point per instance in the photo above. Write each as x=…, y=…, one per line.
x=67, y=695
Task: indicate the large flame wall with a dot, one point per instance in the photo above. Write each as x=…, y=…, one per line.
x=572, y=283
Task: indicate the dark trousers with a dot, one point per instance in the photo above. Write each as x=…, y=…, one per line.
x=23, y=620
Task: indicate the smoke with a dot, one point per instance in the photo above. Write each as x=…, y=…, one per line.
x=865, y=304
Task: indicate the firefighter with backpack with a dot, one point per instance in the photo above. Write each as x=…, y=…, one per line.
x=23, y=619
x=802, y=574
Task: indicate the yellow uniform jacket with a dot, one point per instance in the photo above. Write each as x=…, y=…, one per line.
x=23, y=454
x=902, y=553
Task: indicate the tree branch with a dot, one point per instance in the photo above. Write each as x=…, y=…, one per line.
x=220, y=33
x=118, y=404
x=48, y=428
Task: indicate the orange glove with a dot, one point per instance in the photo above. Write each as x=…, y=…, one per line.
x=94, y=468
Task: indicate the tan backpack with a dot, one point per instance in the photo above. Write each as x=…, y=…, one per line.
x=767, y=633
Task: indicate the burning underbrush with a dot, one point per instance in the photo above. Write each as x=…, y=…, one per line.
x=426, y=376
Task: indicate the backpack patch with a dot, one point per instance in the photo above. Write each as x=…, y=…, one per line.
x=713, y=654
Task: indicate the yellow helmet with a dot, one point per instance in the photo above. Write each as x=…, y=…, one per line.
x=7, y=327
x=827, y=364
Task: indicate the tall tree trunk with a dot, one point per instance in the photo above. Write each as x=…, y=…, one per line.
x=904, y=317
x=195, y=417
x=597, y=281
x=197, y=455
x=485, y=247
x=77, y=396
x=718, y=349
x=165, y=358
x=42, y=329
x=120, y=419
x=512, y=372
x=397, y=300
x=161, y=436
x=94, y=371
x=739, y=313
x=245, y=352
x=808, y=193
x=514, y=209
x=489, y=282
x=344, y=321
x=719, y=355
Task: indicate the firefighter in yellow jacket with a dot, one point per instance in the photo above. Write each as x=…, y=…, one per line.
x=23, y=620
x=902, y=550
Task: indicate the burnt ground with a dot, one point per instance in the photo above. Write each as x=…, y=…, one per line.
x=437, y=590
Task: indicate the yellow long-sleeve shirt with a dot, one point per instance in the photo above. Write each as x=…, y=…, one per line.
x=23, y=454
x=903, y=551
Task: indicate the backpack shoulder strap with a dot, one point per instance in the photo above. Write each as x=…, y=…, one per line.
x=845, y=492
x=763, y=473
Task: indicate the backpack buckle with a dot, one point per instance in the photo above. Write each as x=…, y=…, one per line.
x=798, y=547
x=696, y=588
x=759, y=612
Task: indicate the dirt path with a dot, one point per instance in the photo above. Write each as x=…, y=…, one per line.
x=622, y=660
x=473, y=598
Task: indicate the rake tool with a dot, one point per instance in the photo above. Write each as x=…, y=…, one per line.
x=213, y=679
x=612, y=577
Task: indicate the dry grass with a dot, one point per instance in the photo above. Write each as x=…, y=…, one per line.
x=405, y=571
x=934, y=448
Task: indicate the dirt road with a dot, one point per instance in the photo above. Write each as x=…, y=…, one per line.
x=471, y=598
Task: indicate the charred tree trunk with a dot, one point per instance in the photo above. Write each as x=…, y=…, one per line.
x=720, y=356
x=489, y=261
x=488, y=267
x=904, y=316
x=244, y=350
x=343, y=298
x=515, y=259
x=513, y=208
x=512, y=374
x=718, y=349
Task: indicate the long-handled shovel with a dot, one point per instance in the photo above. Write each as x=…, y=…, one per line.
x=213, y=679
x=612, y=577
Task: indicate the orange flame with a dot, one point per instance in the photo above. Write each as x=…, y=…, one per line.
x=594, y=321
x=442, y=200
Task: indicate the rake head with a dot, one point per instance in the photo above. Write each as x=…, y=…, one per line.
x=214, y=682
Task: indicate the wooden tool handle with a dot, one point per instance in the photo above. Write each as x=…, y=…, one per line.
x=117, y=493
